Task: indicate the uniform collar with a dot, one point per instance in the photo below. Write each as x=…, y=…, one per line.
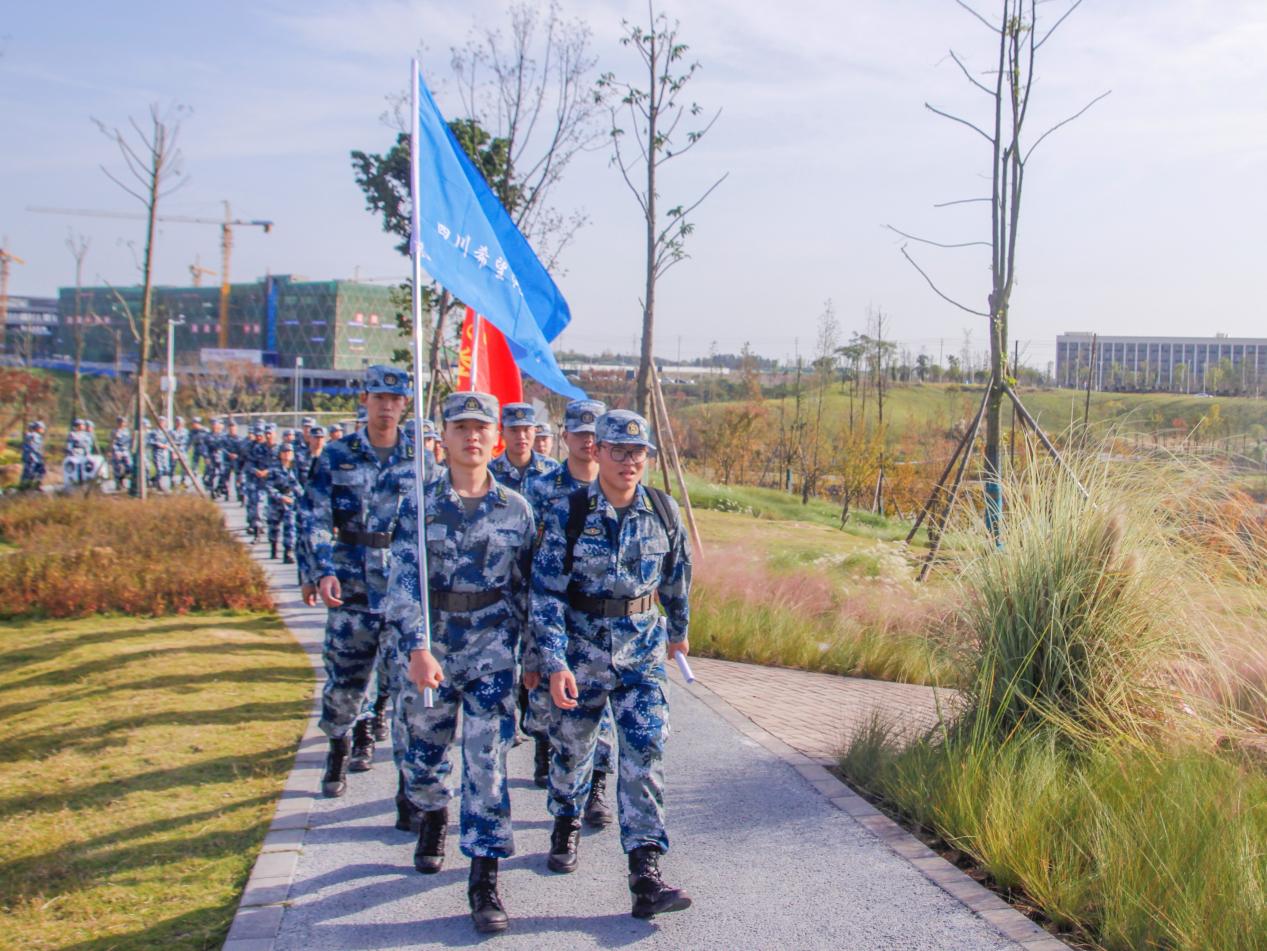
x=496, y=490
x=641, y=502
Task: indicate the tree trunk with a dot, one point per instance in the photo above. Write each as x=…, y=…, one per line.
x=143, y=345
x=648, y=303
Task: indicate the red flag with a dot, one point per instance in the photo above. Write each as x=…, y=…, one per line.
x=496, y=371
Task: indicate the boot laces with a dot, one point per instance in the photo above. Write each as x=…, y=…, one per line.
x=433, y=830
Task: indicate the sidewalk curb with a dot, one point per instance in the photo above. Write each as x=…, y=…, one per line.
x=954, y=882
x=259, y=916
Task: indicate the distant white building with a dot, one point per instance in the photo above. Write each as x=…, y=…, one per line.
x=1218, y=364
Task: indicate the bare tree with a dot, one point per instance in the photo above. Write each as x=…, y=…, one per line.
x=77, y=244
x=654, y=113
x=530, y=92
x=1007, y=86
x=153, y=171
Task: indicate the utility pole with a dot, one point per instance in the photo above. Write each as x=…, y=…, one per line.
x=299, y=386
x=169, y=382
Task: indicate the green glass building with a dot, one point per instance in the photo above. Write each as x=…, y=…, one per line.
x=332, y=325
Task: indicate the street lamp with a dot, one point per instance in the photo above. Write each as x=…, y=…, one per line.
x=169, y=381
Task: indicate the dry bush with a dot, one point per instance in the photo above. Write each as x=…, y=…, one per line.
x=87, y=555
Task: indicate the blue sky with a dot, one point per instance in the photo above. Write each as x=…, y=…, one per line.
x=1143, y=217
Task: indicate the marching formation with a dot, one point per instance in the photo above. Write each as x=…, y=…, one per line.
x=553, y=595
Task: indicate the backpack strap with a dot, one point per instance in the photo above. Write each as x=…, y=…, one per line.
x=578, y=508
x=664, y=511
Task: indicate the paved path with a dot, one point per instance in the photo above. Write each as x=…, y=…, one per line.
x=775, y=851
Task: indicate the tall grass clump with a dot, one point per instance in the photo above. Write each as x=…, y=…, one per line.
x=1106, y=770
x=81, y=555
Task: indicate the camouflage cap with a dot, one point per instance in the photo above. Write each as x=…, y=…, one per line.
x=519, y=414
x=181, y=419
x=481, y=406
x=381, y=378
x=623, y=427
x=581, y=415
x=36, y=425
x=316, y=430
x=308, y=421
x=270, y=427
x=429, y=430
x=197, y=419
x=545, y=429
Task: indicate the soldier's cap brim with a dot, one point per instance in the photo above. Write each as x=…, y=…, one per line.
x=626, y=440
x=471, y=414
x=580, y=427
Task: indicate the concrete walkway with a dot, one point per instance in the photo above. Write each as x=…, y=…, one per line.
x=776, y=852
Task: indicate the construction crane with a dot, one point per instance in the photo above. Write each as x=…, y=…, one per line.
x=226, y=243
x=196, y=271
x=7, y=257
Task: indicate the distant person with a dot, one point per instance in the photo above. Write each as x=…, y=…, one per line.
x=282, y=486
x=120, y=453
x=33, y=468
x=544, y=441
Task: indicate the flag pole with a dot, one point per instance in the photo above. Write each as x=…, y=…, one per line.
x=477, y=327
x=415, y=254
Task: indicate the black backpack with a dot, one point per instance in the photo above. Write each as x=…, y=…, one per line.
x=578, y=509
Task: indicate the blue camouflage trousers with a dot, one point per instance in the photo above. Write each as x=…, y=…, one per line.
x=254, y=490
x=539, y=715
x=641, y=712
x=350, y=652
x=281, y=520
x=488, y=729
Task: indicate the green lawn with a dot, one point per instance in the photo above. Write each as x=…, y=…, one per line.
x=140, y=763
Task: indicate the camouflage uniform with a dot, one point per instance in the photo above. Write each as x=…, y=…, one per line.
x=620, y=659
x=259, y=455
x=350, y=510
x=505, y=471
x=33, y=468
x=282, y=483
x=121, y=454
x=303, y=557
x=160, y=454
x=486, y=553
x=180, y=444
x=542, y=492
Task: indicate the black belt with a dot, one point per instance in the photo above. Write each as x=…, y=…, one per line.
x=611, y=607
x=368, y=539
x=463, y=602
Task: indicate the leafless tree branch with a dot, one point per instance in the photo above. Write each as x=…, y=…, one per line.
x=939, y=244
x=937, y=290
x=1064, y=122
x=953, y=118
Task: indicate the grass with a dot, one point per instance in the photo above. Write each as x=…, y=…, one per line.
x=140, y=762
x=804, y=595
x=79, y=555
x=773, y=505
x=1108, y=768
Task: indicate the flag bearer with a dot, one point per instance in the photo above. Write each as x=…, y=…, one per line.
x=479, y=537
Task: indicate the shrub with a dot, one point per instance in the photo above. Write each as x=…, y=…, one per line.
x=91, y=554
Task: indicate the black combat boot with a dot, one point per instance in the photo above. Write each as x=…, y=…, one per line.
x=272, y=549
x=288, y=556
x=362, y=757
x=487, y=911
x=564, y=839
x=541, y=762
x=429, y=852
x=408, y=816
x=651, y=896
x=598, y=815
x=335, y=781
x=379, y=720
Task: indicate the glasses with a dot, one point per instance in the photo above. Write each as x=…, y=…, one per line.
x=628, y=453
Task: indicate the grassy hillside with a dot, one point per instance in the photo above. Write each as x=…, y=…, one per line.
x=941, y=405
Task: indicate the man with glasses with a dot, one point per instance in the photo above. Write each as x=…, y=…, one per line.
x=606, y=552
x=579, y=469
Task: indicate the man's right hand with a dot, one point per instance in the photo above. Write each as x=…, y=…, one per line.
x=330, y=590
x=424, y=670
x=563, y=689
x=309, y=594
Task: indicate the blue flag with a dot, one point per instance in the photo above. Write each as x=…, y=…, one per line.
x=464, y=239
